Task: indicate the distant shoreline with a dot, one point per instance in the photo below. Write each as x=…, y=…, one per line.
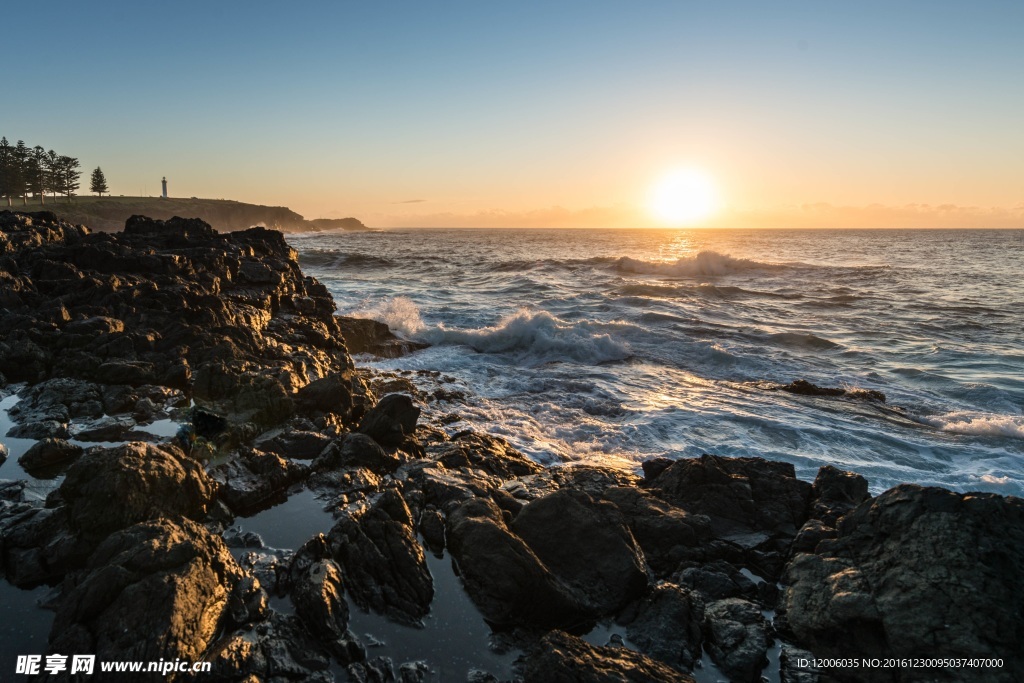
x=108, y=214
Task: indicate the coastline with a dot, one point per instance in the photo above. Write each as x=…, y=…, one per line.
x=105, y=333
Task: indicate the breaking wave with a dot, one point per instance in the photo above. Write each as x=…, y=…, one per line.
x=706, y=263
x=978, y=424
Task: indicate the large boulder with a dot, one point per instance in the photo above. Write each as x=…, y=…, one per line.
x=503, y=576
x=737, y=638
x=391, y=420
x=156, y=590
x=563, y=658
x=48, y=454
x=111, y=488
x=588, y=545
x=668, y=626
x=382, y=561
x=916, y=572
x=667, y=534
x=753, y=504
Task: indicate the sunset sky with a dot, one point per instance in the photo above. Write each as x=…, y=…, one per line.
x=807, y=114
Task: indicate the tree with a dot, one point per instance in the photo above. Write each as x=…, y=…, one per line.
x=53, y=172
x=69, y=175
x=20, y=171
x=38, y=177
x=6, y=169
x=99, y=182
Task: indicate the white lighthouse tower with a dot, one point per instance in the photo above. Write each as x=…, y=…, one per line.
x=164, y=181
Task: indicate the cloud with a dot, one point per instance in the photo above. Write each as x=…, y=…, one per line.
x=411, y=201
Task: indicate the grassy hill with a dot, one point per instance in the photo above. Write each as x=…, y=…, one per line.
x=109, y=213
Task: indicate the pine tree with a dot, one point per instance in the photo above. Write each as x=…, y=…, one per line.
x=38, y=178
x=6, y=164
x=99, y=182
x=20, y=171
x=53, y=172
x=69, y=175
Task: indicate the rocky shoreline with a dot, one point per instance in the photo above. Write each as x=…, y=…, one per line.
x=710, y=560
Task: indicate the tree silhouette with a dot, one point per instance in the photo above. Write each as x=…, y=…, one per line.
x=20, y=171
x=6, y=163
x=68, y=177
x=99, y=182
x=38, y=177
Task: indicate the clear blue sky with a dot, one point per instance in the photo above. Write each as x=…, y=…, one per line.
x=351, y=108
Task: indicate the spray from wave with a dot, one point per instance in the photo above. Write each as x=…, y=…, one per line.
x=706, y=263
x=978, y=424
x=536, y=337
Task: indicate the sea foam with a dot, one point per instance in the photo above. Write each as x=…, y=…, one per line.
x=978, y=424
x=706, y=263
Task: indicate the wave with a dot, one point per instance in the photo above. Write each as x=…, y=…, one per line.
x=399, y=313
x=801, y=340
x=706, y=263
x=977, y=424
x=539, y=336
x=337, y=259
x=536, y=336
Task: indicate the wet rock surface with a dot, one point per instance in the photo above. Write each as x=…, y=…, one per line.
x=225, y=378
x=911, y=572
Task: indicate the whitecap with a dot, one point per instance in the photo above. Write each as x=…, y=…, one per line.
x=978, y=424
x=706, y=263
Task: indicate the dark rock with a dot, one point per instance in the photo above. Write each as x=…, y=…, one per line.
x=357, y=450
x=805, y=388
x=331, y=394
x=562, y=658
x=504, y=578
x=41, y=429
x=492, y=455
x=667, y=626
x=835, y=493
x=296, y=444
x=717, y=580
x=248, y=601
x=376, y=670
x=667, y=534
x=588, y=545
x=737, y=638
x=383, y=563
x=369, y=336
x=112, y=488
x=432, y=529
x=811, y=534
x=914, y=572
x=207, y=424
x=253, y=478
x=655, y=466
x=317, y=593
x=391, y=420
x=276, y=650
x=754, y=504
x=791, y=667
x=156, y=590
x=47, y=454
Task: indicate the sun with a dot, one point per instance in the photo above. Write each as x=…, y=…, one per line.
x=685, y=196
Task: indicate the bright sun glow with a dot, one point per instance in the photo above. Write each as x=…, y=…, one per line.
x=684, y=197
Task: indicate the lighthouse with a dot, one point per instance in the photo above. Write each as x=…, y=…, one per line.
x=164, y=181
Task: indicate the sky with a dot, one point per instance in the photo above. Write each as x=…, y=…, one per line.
x=559, y=114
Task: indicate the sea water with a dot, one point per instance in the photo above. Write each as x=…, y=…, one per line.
x=614, y=346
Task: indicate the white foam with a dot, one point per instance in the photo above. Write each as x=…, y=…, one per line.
x=978, y=424
x=399, y=313
x=538, y=334
x=706, y=263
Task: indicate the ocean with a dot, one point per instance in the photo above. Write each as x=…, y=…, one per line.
x=615, y=346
